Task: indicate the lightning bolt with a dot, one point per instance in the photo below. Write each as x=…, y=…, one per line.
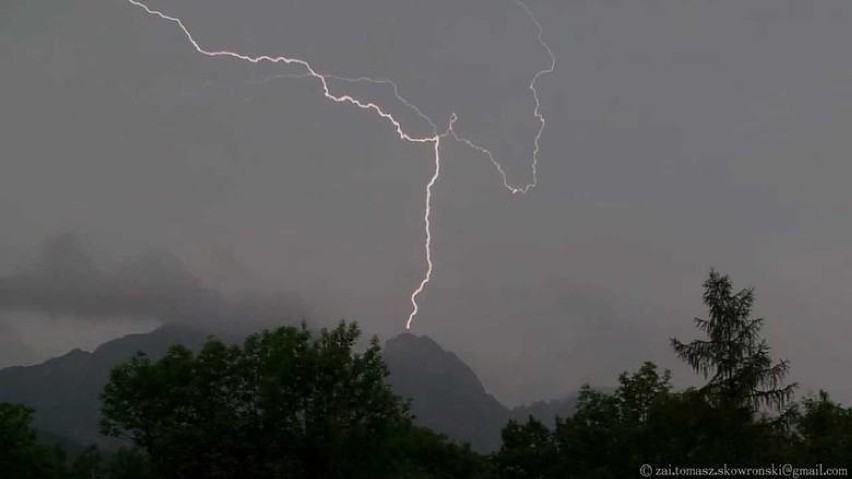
x=525, y=188
x=434, y=137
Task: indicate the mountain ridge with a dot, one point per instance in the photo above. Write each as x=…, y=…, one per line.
x=445, y=394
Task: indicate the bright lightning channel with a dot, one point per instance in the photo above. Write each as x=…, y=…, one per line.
x=434, y=138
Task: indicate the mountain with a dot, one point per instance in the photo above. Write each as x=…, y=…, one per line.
x=446, y=395
x=64, y=391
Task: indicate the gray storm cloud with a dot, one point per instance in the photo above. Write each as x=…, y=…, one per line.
x=680, y=135
x=66, y=280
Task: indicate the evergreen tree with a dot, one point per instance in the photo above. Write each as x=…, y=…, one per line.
x=734, y=357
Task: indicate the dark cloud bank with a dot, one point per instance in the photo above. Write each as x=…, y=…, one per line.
x=67, y=281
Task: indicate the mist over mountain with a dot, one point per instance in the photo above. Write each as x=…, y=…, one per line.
x=13, y=349
x=68, y=281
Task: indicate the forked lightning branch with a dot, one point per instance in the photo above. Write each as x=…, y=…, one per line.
x=435, y=136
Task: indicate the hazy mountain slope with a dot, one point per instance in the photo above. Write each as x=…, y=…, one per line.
x=446, y=394
x=64, y=391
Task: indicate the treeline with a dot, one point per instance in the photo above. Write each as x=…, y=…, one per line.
x=291, y=403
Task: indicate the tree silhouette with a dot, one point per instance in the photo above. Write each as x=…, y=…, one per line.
x=824, y=429
x=287, y=403
x=21, y=455
x=528, y=451
x=734, y=357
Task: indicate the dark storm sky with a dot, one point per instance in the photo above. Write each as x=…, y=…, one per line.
x=681, y=135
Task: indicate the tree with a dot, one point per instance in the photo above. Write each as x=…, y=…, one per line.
x=285, y=403
x=610, y=434
x=420, y=453
x=21, y=455
x=824, y=430
x=127, y=463
x=644, y=421
x=87, y=464
x=528, y=451
x=734, y=357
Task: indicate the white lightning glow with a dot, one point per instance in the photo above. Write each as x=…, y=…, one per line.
x=523, y=189
x=427, y=220
x=434, y=137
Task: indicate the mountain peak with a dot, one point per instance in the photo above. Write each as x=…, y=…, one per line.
x=413, y=342
x=447, y=395
x=421, y=356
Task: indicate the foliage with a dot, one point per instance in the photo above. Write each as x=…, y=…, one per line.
x=528, y=450
x=285, y=403
x=605, y=437
x=420, y=453
x=21, y=455
x=824, y=430
x=610, y=434
x=734, y=357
